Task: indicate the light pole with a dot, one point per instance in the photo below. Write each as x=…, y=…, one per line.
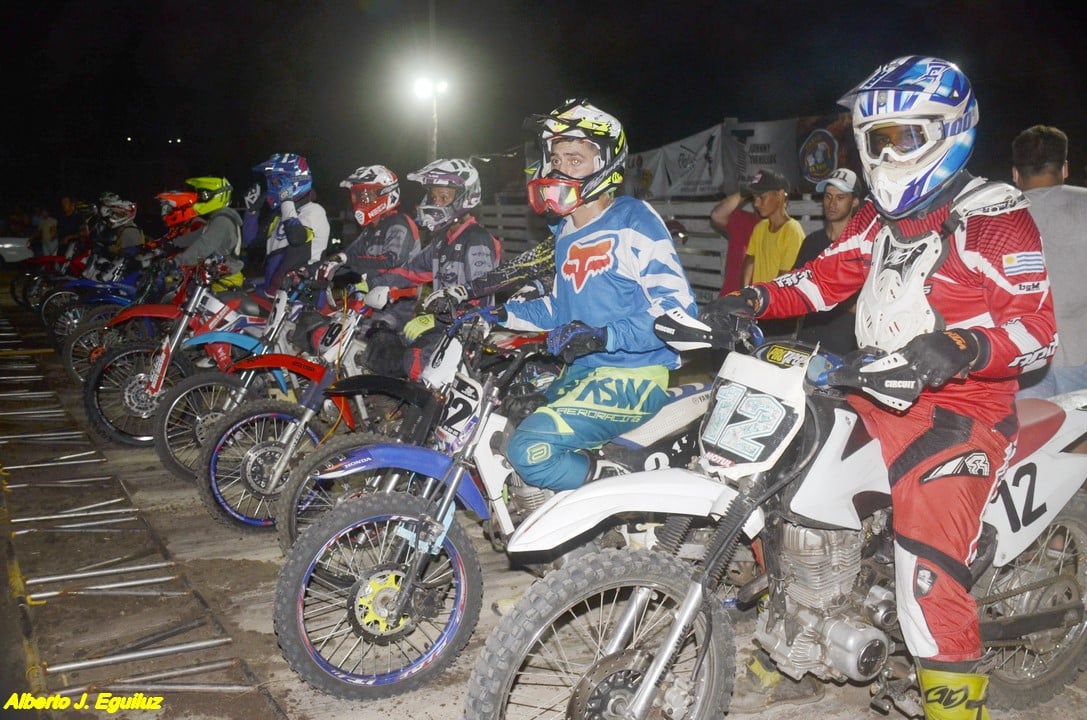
x=426, y=88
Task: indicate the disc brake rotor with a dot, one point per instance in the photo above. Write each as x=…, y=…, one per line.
x=137, y=397
x=605, y=691
x=258, y=464
x=371, y=601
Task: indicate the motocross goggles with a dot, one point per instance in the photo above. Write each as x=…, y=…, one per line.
x=901, y=141
x=364, y=195
x=559, y=195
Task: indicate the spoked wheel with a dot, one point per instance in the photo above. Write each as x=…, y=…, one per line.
x=237, y=483
x=306, y=498
x=1049, y=576
x=68, y=319
x=364, y=611
x=186, y=415
x=91, y=339
x=117, y=394
x=549, y=657
x=55, y=303
x=20, y=285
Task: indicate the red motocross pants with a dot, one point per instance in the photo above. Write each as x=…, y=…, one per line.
x=943, y=468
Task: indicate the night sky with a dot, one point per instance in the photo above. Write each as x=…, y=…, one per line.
x=238, y=80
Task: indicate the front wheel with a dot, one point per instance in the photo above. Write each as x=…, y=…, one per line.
x=237, y=481
x=547, y=658
x=117, y=396
x=91, y=339
x=187, y=413
x=1049, y=575
x=366, y=608
x=306, y=498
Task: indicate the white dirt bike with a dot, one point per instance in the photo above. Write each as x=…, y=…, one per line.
x=784, y=459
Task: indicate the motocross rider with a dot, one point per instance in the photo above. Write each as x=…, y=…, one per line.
x=387, y=239
x=221, y=234
x=951, y=273
x=530, y=274
x=120, y=217
x=460, y=249
x=298, y=235
x=616, y=271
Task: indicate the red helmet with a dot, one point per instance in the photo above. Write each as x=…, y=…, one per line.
x=177, y=206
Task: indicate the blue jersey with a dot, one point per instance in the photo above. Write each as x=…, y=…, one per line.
x=619, y=271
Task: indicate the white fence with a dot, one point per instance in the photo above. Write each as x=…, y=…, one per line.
x=702, y=250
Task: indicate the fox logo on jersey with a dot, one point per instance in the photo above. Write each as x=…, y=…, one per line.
x=584, y=260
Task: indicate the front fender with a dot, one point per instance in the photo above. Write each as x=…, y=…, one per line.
x=239, y=340
x=409, y=391
x=669, y=491
x=271, y=361
x=145, y=310
x=416, y=459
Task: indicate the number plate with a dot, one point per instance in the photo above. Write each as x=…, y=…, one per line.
x=459, y=415
x=745, y=425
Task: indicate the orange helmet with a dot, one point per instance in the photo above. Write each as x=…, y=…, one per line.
x=177, y=206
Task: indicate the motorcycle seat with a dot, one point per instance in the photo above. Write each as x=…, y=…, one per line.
x=1038, y=420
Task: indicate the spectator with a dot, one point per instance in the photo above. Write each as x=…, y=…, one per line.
x=71, y=225
x=1039, y=169
x=831, y=329
x=46, y=233
x=735, y=221
x=776, y=239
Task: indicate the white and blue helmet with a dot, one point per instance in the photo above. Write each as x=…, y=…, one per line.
x=928, y=103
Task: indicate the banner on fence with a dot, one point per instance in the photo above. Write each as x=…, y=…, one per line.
x=720, y=159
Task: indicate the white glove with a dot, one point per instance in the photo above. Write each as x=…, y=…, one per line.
x=454, y=294
x=378, y=297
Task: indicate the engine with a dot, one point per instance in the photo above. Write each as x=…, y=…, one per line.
x=834, y=626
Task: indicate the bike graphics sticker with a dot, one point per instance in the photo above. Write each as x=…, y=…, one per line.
x=744, y=426
x=584, y=260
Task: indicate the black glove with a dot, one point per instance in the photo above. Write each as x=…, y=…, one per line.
x=719, y=314
x=575, y=339
x=253, y=198
x=939, y=356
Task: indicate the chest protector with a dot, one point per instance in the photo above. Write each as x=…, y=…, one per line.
x=893, y=307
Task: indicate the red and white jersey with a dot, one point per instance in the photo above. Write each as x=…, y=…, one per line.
x=991, y=278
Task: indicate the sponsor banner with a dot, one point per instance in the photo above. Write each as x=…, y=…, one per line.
x=720, y=159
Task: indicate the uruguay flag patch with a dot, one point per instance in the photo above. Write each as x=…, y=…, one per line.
x=1024, y=262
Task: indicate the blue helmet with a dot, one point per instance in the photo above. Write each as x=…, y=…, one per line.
x=285, y=170
x=914, y=120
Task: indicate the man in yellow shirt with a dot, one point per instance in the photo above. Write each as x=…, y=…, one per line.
x=777, y=238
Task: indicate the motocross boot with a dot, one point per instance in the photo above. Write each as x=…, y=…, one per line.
x=760, y=686
x=949, y=695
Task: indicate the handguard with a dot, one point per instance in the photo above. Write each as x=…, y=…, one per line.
x=891, y=380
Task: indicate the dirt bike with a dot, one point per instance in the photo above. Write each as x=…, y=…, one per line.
x=785, y=459
x=382, y=592
x=248, y=454
x=123, y=386
x=99, y=329
x=191, y=407
x=64, y=308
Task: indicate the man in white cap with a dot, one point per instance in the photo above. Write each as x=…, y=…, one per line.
x=832, y=329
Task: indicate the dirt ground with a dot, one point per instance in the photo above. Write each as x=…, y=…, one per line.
x=190, y=599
